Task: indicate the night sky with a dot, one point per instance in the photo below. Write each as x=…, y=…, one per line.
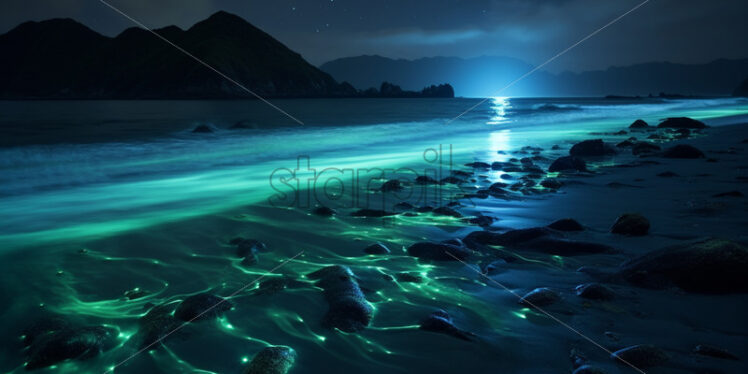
x=689, y=31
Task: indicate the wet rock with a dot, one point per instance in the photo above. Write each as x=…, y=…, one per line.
x=683, y=151
x=587, y=369
x=201, y=307
x=452, y=180
x=203, y=129
x=681, y=123
x=446, y=211
x=594, y=291
x=403, y=206
x=667, y=174
x=625, y=144
x=348, y=309
x=276, y=284
x=441, y=322
x=155, y=325
x=682, y=133
x=324, y=211
x=641, y=356
x=424, y=180
x=556, y=147
x=482, y=221
x=68, y=343
x=716, y=352
x=593, y=147
x=714, y=266
x=567, y=163
x=478, y=165
x=391, y=185
x=640, y=148
x=631, y=224
x=377, y=249
x=438, y=251
x=246, y=247
x=566, y=224
x=639, y=124
x=135, y=293
x=533, y=169
x=424, y=209
x=43, y=327
x=729, y=194
x=461, y=173
x=540, y=297
x=272, y=360
x=539, y=239
x=372, y=213
x=551, y=183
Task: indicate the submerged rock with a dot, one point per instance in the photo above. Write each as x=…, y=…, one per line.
x=425, y=180
x=155, y=325
x=272, y=360
x=540, y=297
x=639, y=124
x=348, y=309
x=441, y=322
x=683, y=151
x=594, y=291
x=631, y=224
x=201, y=307
x=566, y=224
x=391, y=185
x=641, y=356
x=478, y=165
x=377, y=249
x=681, y=123
x=593, y=147
x=482, y=221
x=277, y=284
x=246, y=247
x=713, y=266
x=438, y=251
x=567, y=163
x=551, y=183
x=711, y=351
x=540, y=239
x=640, y=148
x=77, y=343
x=452, y=180
x=324, y=211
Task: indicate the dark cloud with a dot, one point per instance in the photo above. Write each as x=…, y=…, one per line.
x=533, y=30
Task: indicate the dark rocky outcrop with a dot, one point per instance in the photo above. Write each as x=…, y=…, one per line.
x=425, y=180
x=568, y=163
x=377, y=249
x=446, y=211
x=201, y=307
x=272, y=360
x=155, y=325
x=681, y=123
x=539, y=239
x=540, y=297
x=641, y=356
x=591, y=148
x=631, y=224
x=324, y=211
x=714, y=266
x=66, y=343
x=391, y=185
x=639, y=124
x=644, y=147
x=683, y=151
x=566, y=224
x=348, y=309
x=594, y=291
x=441, y=322
x=439, y=251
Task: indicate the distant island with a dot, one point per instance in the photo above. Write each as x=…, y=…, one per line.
x=64, y=59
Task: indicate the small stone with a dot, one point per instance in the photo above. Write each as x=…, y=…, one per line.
x=201, y=307
x=272, y=360
x=566, y=224
x=540, y=297
x=595, y=291
x=641, y=356
x=324, y=211
x=631, y=224
x=568, y=163
x=377, y=249
x=708, y=350
x=639, y=124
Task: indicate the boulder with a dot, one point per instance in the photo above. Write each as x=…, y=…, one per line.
x=438, y=251
x=566, y=224
x=567, y=163
x=155, y=325
x=478, y=165
x=377, y=249
x=425, y=180
x=593, y=147
x=681, y=123
x=446, y=211
x=594, y=291
x=644, y=147
x=441, y=322
x=641, y=356
x=683, y=151
x=201, y=307
x=391, y=185
x=639, y=124
x=78, y=343
x=714, y=266
x=348, y=309
x=452, y=180
x=272, y=360
x=324, y=211
x=631, y=224
x=538, y=239
x=540, y=297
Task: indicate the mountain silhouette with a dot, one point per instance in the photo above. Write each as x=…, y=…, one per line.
x=62, y=58
x=485, y=76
